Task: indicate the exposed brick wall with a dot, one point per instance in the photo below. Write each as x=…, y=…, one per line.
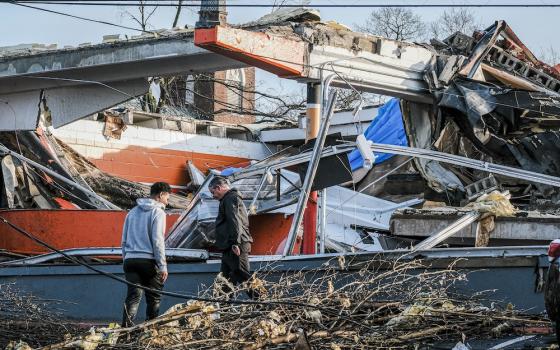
x=220, y=93
x=249, y=96
x=202, y=89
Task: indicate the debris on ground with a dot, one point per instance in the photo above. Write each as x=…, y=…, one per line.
x=403, y=305
x=27, y=321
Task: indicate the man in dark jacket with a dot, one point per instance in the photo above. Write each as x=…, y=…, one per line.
x=232, y=232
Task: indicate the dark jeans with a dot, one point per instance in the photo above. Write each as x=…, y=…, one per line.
x=144, y=273
x=236, y=269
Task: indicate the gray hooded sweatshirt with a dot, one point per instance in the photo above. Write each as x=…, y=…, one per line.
x=143, y=232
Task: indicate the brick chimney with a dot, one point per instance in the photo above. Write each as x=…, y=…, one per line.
x=225, y=89
x=212, y=13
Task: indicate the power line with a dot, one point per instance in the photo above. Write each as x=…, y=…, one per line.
x=154, y=3
x=72, y=16
x=263, y=56
x=287, y=303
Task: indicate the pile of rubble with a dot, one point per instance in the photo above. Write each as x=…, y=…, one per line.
x=483, y=96
x=393, y=304
x=497, y=102
x=39, y=171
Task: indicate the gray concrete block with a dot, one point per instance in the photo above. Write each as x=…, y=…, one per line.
x=216, y=131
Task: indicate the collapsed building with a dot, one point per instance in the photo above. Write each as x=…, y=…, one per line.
x=469, y=115
x=485, y=96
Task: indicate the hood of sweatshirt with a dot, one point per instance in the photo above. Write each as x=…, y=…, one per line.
x=149, y=204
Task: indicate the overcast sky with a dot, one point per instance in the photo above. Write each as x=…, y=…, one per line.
x=537, y=27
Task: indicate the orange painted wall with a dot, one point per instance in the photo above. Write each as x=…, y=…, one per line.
x=143, y=164
x=269, y=232
x=64, y=229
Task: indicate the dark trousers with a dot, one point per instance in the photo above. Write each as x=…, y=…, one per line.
x=144, y=273
x=236, y=269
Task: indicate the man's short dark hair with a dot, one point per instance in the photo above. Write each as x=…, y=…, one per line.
x=159, y=187
x=218, y=181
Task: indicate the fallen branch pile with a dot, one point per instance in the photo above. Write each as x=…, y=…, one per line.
x=29, y=320
x=380, y=305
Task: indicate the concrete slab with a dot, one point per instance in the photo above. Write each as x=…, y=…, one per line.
x=77, y=82
x=533, y=228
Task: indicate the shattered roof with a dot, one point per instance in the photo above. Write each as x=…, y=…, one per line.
x=108, y=41
x=282, y=15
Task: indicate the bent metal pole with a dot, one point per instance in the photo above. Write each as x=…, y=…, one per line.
x=310, y=176
x=516, y=173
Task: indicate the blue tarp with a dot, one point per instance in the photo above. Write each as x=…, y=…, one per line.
x=386, y=128
x=229, y=171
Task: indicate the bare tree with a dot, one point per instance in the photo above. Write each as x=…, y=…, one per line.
x=265, y=106
x=452, y=21
x=550, y=56
x=142, y=14
x=395, y=23
x=177, y=13
x=278, y=4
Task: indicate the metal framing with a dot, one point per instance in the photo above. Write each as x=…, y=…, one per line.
x=469, y=163
x=309, y=176
x=191, y=254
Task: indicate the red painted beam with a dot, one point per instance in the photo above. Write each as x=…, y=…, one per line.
x=310, y=213
x=310, y=225
x=284, y=57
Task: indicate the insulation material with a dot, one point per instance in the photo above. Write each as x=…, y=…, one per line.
x=114, y=127
x=495, y=203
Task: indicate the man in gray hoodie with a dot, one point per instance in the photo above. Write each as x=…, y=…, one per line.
x=143, y=251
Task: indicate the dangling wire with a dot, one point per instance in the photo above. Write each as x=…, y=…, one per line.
x=358, y=108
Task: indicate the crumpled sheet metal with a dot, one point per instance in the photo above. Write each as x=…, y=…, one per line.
x=503, y=104
x=540, y=153
x=496, y=119
x=419, y=131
